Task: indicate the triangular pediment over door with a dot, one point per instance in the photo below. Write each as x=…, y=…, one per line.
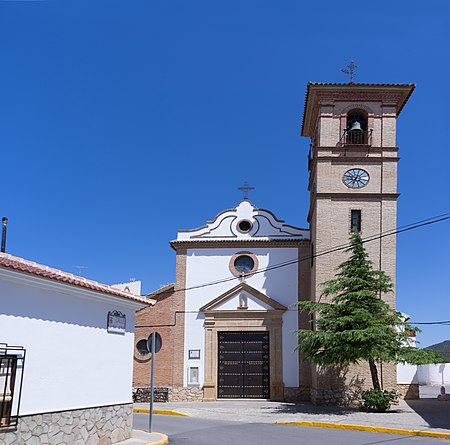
x=243, y=309
x=243, y=296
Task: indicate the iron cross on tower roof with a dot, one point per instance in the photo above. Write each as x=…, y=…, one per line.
x=350, y=69
x=245, y=189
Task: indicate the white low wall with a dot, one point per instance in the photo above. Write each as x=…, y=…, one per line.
x=424, y=374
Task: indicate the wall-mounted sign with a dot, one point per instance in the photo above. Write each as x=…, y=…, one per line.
x=158, y=342
x=194, y=354
x=116, y=322
x=193, y=375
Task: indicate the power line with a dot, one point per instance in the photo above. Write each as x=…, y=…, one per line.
x=405, y=228
x=401, y=229
x=442, y=323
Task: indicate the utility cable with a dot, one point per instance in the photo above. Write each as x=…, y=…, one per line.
x=442, y=323
x=401, y=229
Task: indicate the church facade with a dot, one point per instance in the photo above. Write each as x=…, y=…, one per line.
x=228, y=322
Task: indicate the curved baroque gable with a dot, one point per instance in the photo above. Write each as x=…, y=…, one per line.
x=226, y=226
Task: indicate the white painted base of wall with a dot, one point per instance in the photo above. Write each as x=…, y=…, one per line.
x=424, y=374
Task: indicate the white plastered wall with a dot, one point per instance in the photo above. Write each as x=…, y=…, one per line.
x=424, y=374
x=71, y=360
x=206, y=265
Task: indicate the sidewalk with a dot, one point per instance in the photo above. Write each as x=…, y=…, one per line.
x=425, y=414
x=143, y=438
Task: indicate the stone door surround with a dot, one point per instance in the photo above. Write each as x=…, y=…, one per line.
x=243, y=320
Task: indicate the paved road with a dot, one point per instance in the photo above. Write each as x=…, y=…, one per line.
x=426, y=414
x=195, y=431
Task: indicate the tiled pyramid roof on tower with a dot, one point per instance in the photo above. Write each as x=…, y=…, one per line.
x=338, y=91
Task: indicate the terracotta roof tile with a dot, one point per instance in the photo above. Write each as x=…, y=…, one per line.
x=411, y=86
x=260, y=239
x=364, y=84
x=162, y=289
x=11, y=262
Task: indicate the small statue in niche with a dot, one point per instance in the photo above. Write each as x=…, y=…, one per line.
x=243, y=301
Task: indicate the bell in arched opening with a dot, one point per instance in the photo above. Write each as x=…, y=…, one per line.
x=356, y=126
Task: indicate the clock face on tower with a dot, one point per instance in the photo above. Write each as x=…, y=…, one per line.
x=355, y=178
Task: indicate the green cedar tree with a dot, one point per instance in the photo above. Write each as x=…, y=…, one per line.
x=357, y=324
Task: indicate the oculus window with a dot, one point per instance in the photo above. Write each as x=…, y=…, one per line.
x=141, y=347
x=245, y=226
x=244, y=264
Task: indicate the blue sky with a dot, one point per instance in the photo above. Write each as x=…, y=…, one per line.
x=124, y=121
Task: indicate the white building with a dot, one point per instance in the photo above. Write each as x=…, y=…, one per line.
x=78, y=336
x=249, y=314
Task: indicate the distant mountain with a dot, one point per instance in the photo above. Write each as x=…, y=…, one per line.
x=442, y=348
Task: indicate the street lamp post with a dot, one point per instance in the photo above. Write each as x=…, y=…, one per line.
x=4, y=222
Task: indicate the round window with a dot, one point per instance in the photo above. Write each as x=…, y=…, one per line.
x=244, y=264
x=245, y=226
x=141, y=346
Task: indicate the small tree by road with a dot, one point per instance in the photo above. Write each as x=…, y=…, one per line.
x=358, y=325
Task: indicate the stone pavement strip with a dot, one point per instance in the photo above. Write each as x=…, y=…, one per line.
x=428, y=415
x=139, y=437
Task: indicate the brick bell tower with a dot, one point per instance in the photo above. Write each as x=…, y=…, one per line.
x=353, y=186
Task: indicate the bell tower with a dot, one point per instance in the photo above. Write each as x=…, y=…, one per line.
x=353, y=186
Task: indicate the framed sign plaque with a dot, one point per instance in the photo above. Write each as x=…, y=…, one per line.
x=194, y=354
x=116, y=322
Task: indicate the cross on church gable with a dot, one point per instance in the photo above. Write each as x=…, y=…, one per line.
x=245, y=189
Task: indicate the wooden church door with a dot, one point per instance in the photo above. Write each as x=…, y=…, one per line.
x=243, y=365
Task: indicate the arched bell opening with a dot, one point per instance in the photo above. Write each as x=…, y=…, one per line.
x=356, y=132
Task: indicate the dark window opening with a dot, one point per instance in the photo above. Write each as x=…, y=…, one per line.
x=12, y=361
x=355, y=223
x=141, y=346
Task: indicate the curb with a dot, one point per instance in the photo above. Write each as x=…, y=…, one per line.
x=166, y=412
x=371, y=429
x=164, y=439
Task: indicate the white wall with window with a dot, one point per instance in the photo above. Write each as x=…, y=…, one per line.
x=248, y=242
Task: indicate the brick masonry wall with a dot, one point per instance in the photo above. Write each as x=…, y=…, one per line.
x=167, y=318
x=331, y=203
x=304, y=275
x=333, y=230
x=161, y=318
x=91, y=426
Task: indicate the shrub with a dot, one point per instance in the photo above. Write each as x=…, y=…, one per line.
x=377, y=401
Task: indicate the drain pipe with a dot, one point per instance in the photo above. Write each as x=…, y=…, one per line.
x=4, y=222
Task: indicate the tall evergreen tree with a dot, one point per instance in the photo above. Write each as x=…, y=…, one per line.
x=358, y=325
